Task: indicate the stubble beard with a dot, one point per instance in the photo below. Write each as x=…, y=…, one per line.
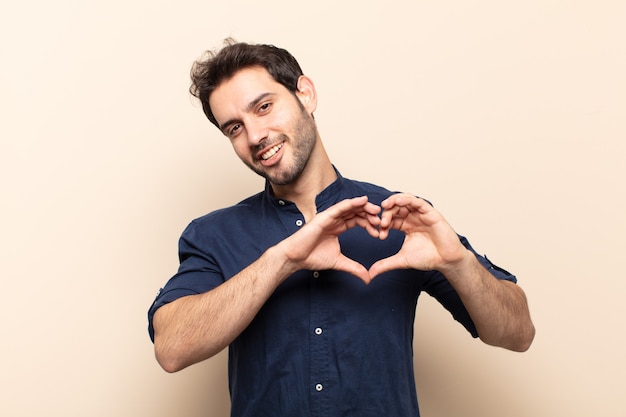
x=303, y=143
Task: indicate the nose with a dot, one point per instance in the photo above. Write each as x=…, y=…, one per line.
x=257, y=132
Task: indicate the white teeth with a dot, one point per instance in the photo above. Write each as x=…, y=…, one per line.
x=267, y=155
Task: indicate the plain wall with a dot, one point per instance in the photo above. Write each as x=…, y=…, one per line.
x=509, y=116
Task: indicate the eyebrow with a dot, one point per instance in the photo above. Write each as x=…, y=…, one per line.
x=249, y=107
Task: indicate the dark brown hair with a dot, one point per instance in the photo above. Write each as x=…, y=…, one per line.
x=218, y=66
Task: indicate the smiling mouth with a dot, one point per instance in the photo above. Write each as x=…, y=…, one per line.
x=271, y=152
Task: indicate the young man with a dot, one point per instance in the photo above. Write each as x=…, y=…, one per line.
x=285, y=278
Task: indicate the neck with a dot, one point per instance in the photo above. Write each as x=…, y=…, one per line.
x=317, y=175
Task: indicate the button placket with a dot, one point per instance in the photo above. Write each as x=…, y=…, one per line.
x=320, y=358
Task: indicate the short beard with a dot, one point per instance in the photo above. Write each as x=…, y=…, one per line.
x=303, y=145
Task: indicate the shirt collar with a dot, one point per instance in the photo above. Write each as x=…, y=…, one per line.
x=329, y=196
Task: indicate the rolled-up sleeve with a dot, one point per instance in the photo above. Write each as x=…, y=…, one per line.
x=439, y=287
x=197, y=273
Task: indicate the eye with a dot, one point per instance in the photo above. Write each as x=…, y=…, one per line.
x=265, y=107
x=234, y=130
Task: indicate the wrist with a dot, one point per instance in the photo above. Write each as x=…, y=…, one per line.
x=459, y=267
x=279, y=258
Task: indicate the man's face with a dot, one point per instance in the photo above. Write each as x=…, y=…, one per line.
x=270, y=129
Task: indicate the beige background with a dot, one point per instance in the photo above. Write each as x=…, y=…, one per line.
x=509, y=117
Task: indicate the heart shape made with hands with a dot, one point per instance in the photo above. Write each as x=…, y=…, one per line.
x=429, y=243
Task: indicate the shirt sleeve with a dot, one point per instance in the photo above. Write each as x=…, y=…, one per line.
x=198, y=272
x=439, y=287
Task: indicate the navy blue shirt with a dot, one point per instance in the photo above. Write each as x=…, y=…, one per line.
x=324, y=344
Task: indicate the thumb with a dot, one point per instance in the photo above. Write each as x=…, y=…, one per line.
x=386, y=264
x=352, y=267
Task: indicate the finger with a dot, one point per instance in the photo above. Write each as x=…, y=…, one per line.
x=388, y=216
x=369, y=211
x=409, y=201
x=346, y=206
x=387, y=264
x=340, y=212
x=352, y=267
x=368, y=220
x=346, y=209
x=396, y=199
x=356, y=212
x=393, y=218
x=372, y=209
x=368, y=223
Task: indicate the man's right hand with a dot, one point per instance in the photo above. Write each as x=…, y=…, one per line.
x=316, y=245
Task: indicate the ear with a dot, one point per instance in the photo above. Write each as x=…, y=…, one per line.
x=306, y=93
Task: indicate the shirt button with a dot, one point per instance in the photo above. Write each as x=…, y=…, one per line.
x=319, y=387
x=299, y=223
x=281, y=202
x=318, y=331
x=316, y=274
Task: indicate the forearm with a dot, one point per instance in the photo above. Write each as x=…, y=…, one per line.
x=498, y=307
x=194, y=328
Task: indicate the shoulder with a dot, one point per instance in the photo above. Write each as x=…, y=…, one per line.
x=240, y=209
x=375, y=193
x=228, y=215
